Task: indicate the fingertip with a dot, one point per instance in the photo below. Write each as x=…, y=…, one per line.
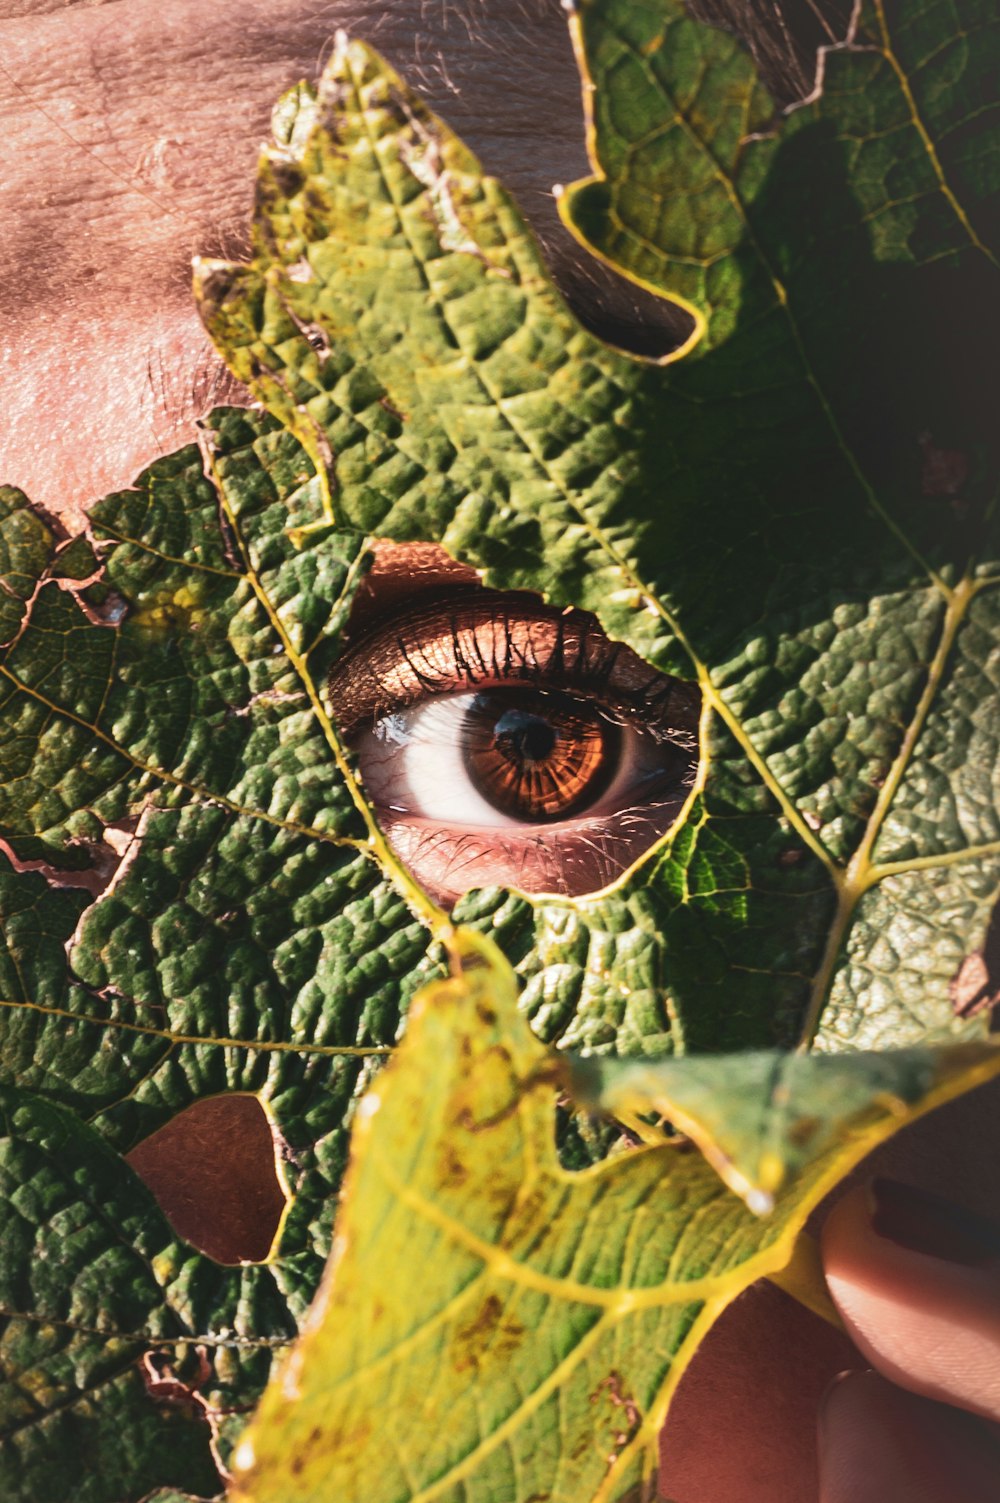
x=880, y=1444
x=917, y=1284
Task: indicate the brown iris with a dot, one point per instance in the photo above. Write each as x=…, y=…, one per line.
x=538, y=756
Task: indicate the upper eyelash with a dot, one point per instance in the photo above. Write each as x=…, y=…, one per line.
x=584, y=661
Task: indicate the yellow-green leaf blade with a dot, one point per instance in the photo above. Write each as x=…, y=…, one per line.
x=491, y=1323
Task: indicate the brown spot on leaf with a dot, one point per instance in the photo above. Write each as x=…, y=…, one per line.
x=452, y=1168
x=629, y=1418
x=489, y=1336
x=393, y=411
x=331, y=1439
x=802, y=1130
x=288, y=177
x=214, y=1172
x=612, y=1386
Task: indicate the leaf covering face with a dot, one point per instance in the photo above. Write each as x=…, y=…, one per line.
x=796, y=515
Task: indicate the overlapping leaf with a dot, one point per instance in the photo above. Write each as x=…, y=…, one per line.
x=797, y=514
x=525, y=1327
x=241, y=938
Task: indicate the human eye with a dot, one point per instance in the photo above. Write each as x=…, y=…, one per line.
x=505, y=742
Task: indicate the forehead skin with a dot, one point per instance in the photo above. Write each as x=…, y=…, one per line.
x=130, y=132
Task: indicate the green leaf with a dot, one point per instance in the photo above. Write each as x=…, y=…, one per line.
x=90, y=1278
x=761, y=1118
x=240, y=936
x=795, y=513
x=525, y=1327
x=769, y=513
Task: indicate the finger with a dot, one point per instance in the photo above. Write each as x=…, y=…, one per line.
x=878, y=1444
x=917, y=1283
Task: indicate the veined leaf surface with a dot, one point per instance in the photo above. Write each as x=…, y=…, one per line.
x=796, y=513
x=524, y=1326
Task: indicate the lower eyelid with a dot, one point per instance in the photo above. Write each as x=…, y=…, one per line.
x=572, y=859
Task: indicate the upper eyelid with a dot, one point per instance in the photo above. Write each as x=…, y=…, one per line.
x=393, y=666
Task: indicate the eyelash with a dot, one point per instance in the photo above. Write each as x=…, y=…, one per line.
x=370, y=681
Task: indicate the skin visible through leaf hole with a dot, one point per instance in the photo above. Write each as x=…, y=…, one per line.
x=213, y=1170
x=423, y=631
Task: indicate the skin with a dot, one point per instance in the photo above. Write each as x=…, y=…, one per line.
x=131, y=131
x=417, y=599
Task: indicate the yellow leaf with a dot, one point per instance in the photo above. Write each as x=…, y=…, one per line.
x=491, y=1325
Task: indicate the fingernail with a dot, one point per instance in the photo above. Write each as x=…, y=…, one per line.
x=928, y=1224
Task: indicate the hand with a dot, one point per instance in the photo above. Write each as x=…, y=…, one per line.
x=742, y=1427
x=917, y=1282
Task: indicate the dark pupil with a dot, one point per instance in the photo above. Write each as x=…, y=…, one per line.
x=519, y=735
x=538, y=756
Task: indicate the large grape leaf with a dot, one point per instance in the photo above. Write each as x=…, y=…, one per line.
x=795, y=511
x=195, y=902
x=797, y=515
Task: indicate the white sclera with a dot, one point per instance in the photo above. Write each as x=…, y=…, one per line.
x=412, y=763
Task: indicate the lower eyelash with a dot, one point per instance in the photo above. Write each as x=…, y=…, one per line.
x=568, y=860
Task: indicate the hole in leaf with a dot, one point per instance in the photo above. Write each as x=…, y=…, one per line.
x=214, y=1170
x=504, y=741
x=90, y=865
x=975, y=986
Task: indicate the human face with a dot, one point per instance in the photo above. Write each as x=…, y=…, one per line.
x=131, y=131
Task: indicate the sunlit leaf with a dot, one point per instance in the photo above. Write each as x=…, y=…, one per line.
x=524, y=1327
